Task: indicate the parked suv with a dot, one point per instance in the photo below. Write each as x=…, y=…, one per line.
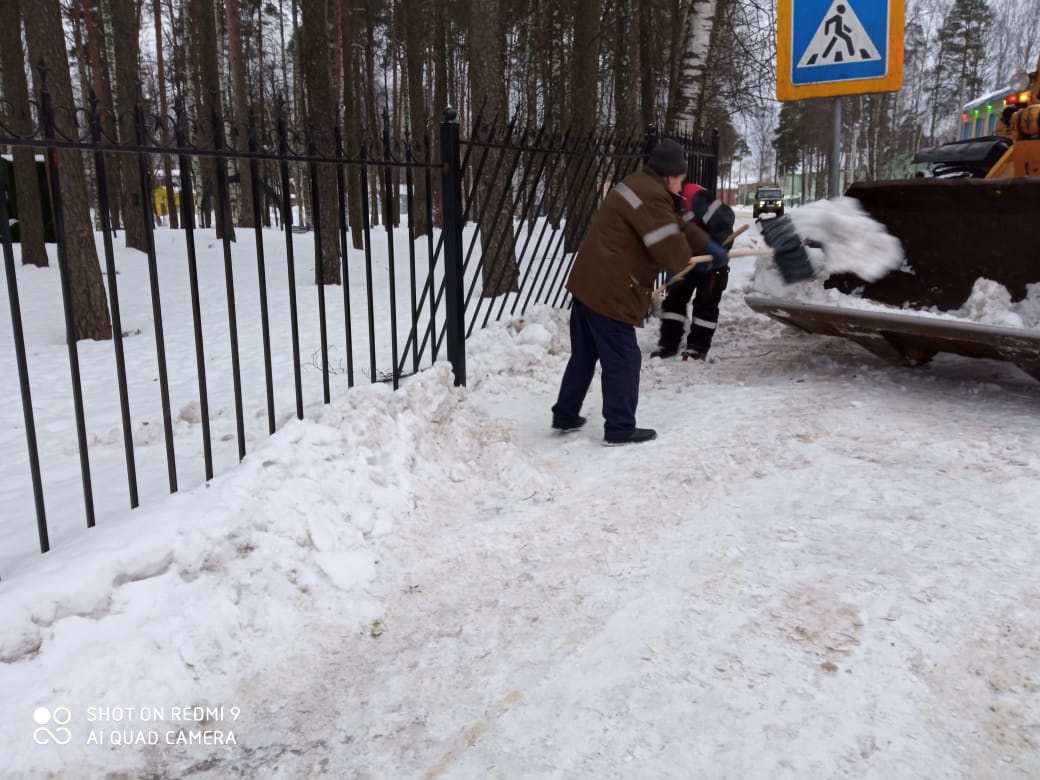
x=768, y=200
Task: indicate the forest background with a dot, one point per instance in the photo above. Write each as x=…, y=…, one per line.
x=691, y=66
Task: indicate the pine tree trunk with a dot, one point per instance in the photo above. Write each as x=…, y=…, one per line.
x=207, y=95
x=124, y=15
x=26, y=182
x=415, y=14
x=90, y=15
x=321, y=115
x=584, y=101
x=647, y=64
x=440, y=94
x=173, y=213
x=500, y=272
x=370, y=124
x=44, y=33
x=549, y=32
x=626, y=58
x=351, y=123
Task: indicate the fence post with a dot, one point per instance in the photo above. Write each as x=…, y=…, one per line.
x=23, y=372
x=187, y=207
x=290, y=257
x=650, y=138
x=451, y=194
x=113, y=295
x=225, y=224
x=54, y=177
x=713, y=165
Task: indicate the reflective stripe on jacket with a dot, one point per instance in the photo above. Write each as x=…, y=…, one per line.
x=634, y=234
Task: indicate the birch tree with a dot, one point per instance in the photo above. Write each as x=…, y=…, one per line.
x=688, y=104
x=239, y=106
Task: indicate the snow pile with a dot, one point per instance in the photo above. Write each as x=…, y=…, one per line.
x=1029, y=307
x=395, y=455
x=287, y=544
x=990, y=304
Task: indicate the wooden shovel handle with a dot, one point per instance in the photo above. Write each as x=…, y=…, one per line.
x=733, y=236
x=698, y=259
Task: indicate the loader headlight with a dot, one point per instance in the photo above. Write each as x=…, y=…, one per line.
x=1019, y=81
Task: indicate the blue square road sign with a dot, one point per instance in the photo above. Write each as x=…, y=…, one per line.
x=839, y=47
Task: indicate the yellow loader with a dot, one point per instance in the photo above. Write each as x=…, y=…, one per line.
x=976, y=217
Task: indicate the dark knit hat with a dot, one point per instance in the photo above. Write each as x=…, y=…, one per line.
x=667, y=159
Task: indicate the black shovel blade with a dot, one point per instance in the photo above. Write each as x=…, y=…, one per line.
x=792, y=261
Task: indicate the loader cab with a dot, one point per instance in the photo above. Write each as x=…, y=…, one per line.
x=972, y=158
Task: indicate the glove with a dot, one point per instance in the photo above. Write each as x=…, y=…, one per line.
x=720, y=257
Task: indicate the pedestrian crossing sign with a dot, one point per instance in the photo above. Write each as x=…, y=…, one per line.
x=838, y=47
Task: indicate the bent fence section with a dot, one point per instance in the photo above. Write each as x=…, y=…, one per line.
x=274, y=268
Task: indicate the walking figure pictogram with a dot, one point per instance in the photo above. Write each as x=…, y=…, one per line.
x=835, y=26
x=839, y=39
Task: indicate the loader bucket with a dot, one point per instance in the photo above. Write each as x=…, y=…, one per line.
x=907, y=338
x=953, y=231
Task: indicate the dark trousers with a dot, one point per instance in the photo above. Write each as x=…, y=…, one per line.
x=613, y=343
x=706, y=289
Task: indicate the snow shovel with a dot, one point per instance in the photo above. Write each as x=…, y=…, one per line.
x=850, y=239
x=783, y=243
x=698, y=259
x=792, y=261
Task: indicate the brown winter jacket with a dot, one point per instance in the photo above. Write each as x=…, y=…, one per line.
x=635, y=233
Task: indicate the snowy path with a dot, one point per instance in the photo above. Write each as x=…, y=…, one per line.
x=743, y=598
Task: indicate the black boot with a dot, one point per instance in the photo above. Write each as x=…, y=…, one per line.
x=672, y=326
x=637, y=436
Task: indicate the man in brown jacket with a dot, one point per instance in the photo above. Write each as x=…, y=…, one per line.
x=636, y=233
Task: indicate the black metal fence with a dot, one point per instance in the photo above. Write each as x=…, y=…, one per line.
x=429, y=243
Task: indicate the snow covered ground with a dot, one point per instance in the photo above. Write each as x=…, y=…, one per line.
x=825, y=566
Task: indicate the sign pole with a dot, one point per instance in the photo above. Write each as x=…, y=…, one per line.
x=835, y=183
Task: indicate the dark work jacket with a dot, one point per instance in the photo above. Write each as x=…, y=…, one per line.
x=634, y=234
